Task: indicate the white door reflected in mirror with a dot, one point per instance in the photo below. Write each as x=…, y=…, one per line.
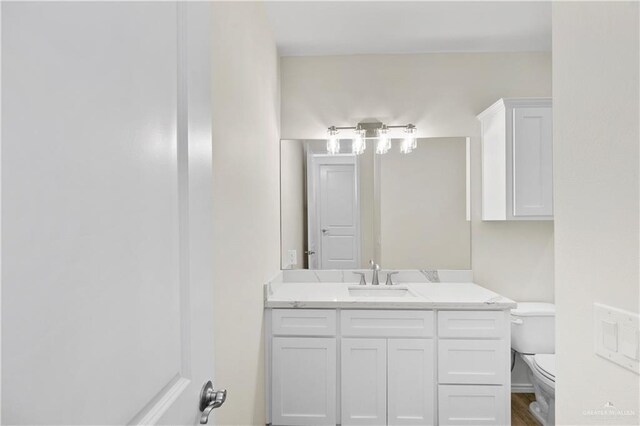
x=405, y=211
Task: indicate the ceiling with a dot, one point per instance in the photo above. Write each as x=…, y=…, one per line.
x=371, y=27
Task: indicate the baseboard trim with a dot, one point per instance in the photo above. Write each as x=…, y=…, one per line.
x=522, y=388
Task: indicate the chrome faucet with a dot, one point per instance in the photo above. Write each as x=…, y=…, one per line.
x=363, y=281
x=375, y=268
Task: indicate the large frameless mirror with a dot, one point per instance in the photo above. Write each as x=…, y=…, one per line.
x=402, y=210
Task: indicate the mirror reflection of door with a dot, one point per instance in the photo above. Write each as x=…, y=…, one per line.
x=404, y=211
x=334, y=214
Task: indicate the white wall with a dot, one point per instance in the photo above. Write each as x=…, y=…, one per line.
x=441, y=94
x=596, y=167
x=246, y=201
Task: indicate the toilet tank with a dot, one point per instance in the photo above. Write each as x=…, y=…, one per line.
x=533, y=328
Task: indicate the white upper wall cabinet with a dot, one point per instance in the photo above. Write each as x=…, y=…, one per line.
x=517, y=162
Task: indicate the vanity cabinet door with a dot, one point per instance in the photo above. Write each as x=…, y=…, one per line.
x=479, y=362
x=472, y=405
x=411, y=382
x=304, y=381
x=364, y=382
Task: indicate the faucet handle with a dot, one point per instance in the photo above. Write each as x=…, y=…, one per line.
x=389, y=280
x=362, y=280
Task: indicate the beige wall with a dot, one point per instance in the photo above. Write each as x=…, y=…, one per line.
x=596, y=168
x=423, y=206
x=441, y=94
x=246, y=194
x=293, y=203
x=368, y=228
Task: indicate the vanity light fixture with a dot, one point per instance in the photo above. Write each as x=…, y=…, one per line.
x=333, y=143
x=375, y=130
x=410, y=142
x=358, y=144
x=384, y=142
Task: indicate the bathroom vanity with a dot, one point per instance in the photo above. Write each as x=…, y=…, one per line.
x=432, y=348
x=408, y=354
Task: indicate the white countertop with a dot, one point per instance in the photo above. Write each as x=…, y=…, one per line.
x=419, y=296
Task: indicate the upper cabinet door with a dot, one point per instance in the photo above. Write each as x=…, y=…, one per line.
x=532, y=162
x=517, y=160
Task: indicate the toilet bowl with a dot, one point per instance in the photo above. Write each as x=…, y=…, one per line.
x=542, y=373
x=533, y=338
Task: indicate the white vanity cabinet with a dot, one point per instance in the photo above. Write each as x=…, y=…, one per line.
x=387, y=381
x=387, y=367
x=474, y=368
x=303, y=367
x=517, y=160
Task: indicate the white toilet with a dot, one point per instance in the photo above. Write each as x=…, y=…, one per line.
x=533, y=337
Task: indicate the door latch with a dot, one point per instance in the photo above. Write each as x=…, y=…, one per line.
x=210, y=399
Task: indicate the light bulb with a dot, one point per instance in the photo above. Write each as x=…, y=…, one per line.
x=409, y=143
x=407, y=146
x=384, y=143
x=358, y=144
x=333, y=143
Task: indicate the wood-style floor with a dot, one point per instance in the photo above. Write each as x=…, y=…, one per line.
x=520, y=415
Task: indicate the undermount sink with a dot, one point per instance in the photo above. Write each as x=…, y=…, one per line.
x=379, y=291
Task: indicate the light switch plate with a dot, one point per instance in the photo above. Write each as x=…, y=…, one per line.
x=629, y=341
x=293, y=257
x=610, y=335
x=617, y=336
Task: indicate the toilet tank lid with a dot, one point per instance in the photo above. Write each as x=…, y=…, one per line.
x=529, y=309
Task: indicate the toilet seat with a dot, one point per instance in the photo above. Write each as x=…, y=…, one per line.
x=545, y=364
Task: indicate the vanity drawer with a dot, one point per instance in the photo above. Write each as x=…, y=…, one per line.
x=474, y=324
x=471, y=405
x=472, y=362
x=303, y=322
x=366, y=323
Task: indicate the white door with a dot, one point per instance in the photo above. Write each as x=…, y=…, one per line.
x=411, y=382
x=336, y=214
x=364, y=382
x=304, y=381
x=106, y=212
